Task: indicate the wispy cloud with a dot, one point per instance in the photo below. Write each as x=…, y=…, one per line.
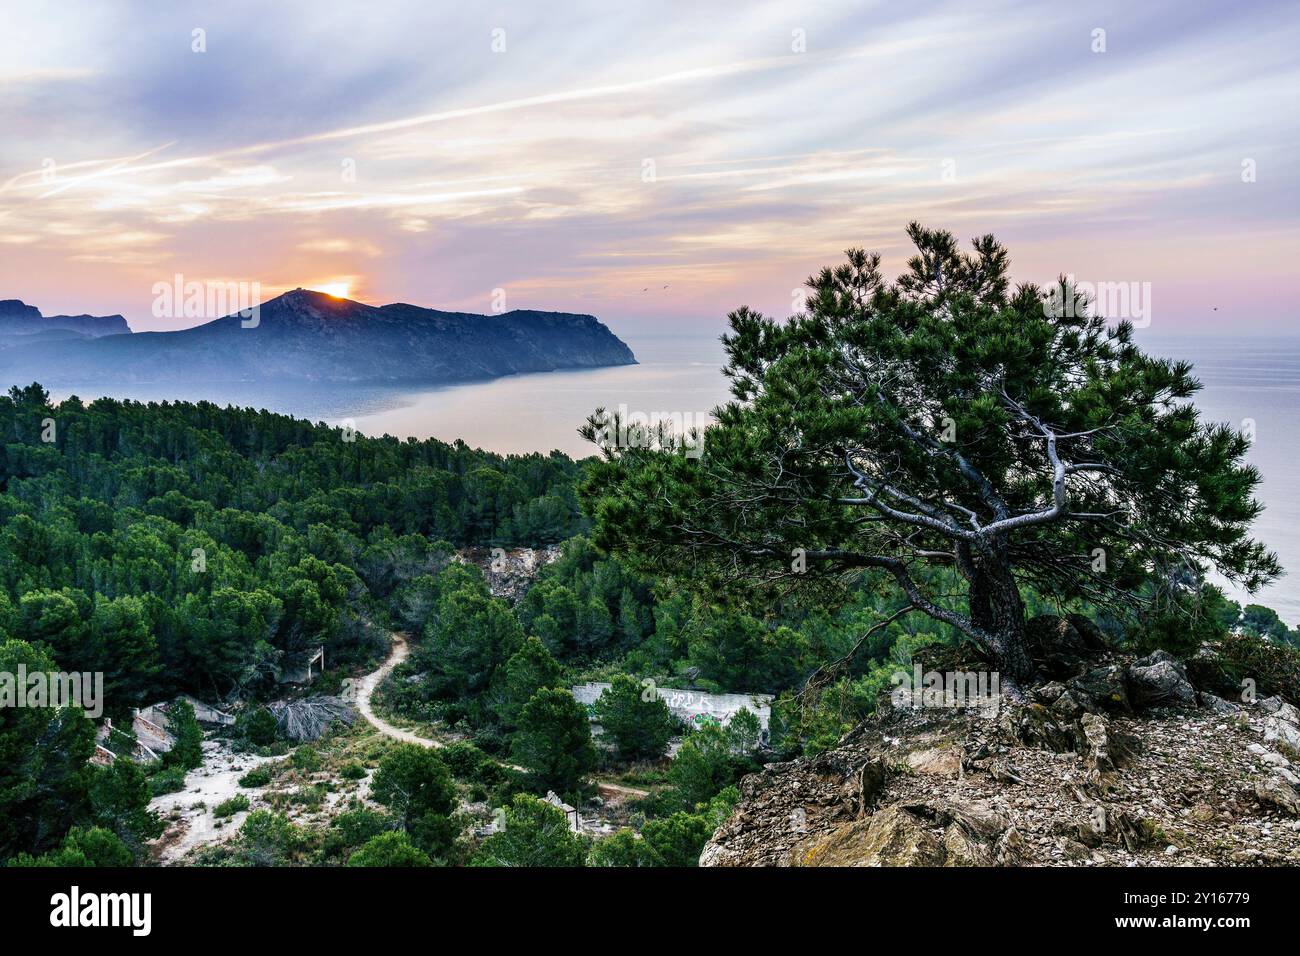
x=573, y=158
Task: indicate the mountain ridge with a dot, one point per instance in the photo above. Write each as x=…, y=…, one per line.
x=309, y=336
x=19, y=318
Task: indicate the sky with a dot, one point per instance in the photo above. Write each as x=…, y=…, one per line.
x=654, y=164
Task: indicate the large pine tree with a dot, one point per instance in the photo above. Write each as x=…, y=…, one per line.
x=942, y=419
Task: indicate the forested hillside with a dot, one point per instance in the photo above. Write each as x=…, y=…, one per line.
x=193, y=548
x=190, y=548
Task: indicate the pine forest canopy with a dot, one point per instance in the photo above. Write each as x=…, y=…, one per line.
x=187, y=547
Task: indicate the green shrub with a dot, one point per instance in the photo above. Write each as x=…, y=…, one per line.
x=639, y=725
x=352, y=771
x=352, y=828
x=168, y=780
x=82, y=848
x=267, y=839
x=257, y=726
x=415, y=784
x=704, y=766
x=623, y=849
x=257, y=777
x=1180, y=630
x=389, y=849
x=228, y=808
x=677, y=840
x=536, y=835
x=312, y=796
x=512, y=783
x=329, y=683
x=305, y=758
x=187, y=752
x=1274, y=668
x=470, y=764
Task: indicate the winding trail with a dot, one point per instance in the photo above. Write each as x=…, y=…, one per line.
x=398, y=653
x=366, y=690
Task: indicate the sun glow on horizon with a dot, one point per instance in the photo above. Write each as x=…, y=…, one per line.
x=340, y=290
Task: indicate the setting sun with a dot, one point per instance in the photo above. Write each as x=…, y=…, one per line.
x=337, y=289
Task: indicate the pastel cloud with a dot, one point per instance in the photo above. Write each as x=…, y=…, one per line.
x=676, y=146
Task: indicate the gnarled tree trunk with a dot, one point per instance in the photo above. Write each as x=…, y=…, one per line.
x=997, y=610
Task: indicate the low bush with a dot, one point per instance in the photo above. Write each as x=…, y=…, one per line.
x=169, y=780
x=306, y=758
x=471, y=765
x=257, y=777
x=389, y=849
x=257, y=726
x=228, y=808
x=1222, y=667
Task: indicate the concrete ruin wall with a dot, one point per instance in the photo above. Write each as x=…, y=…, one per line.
x=693, y=706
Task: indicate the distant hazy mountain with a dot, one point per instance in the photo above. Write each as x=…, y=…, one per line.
x=306, y=336
x=19, y=318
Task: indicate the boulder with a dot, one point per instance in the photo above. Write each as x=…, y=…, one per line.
x=1048, y=693
x=1010, y=848
x=962, y=848
x=892, y=837
x=1216, y=704
x=1280, y=709
x=1106, y=825
x=872, y=778
x=1159, y=680
x=904, y=834
x=1276, y=793
x=1106, y=686
x=1284, y=771
x=1069, y=706
x=1037, y=726
x=935, y=762
x=1277, y=731
x=1062, y=646
x=1096, y=736
x=1074, y=850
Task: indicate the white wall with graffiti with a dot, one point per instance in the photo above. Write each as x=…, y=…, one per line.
x=695, y=707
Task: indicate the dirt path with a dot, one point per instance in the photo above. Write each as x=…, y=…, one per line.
x=366, y=690
x=620, y=790
x=218, y=777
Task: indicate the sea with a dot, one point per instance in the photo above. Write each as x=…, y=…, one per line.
x=1250, y=381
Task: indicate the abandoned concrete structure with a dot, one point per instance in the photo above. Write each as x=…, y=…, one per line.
x=695, y=707
x=311, y=665
x=570, y=813
x=203, y=713
x=152, y=740
x=150, y=728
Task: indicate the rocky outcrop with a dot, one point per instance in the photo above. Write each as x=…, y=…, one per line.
x=917, y=834
x=1062, y=646
x=1106, y=685
x=1159, y=680
x=1122, y=762
x=509, y=572
x=1274, y=791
